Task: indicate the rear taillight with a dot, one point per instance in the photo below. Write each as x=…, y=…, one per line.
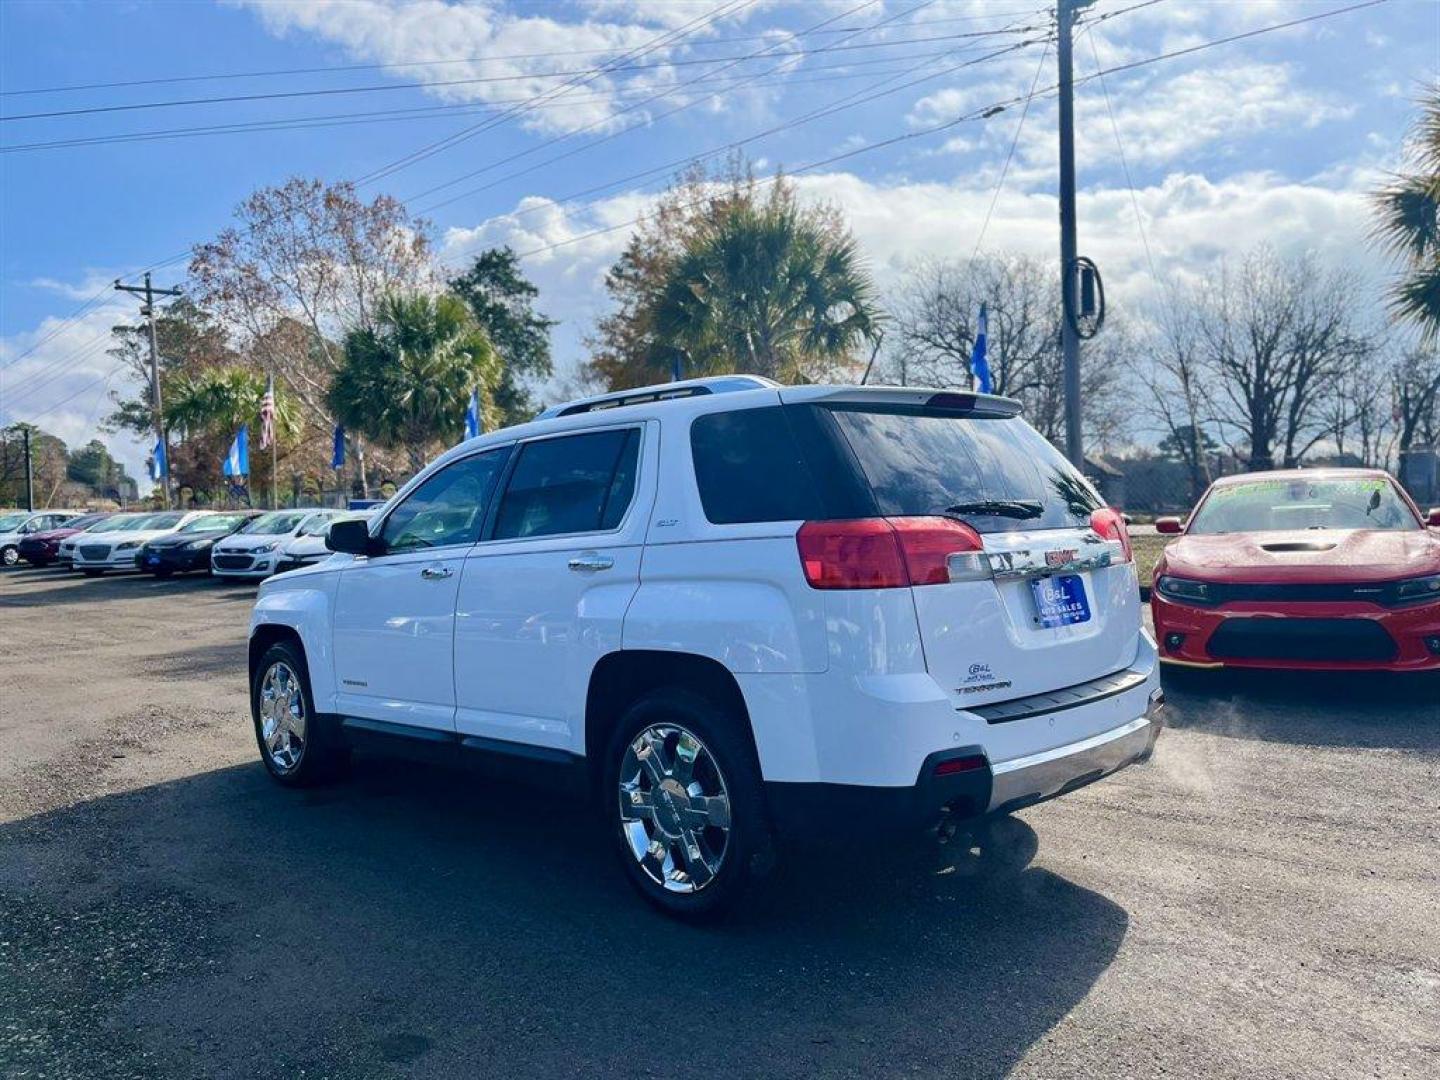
x=1109, y=525
x=882, y=553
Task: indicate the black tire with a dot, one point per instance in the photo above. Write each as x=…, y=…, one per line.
x=748, y=843
x=92, y=573
x=322, y=757
x=9, y=555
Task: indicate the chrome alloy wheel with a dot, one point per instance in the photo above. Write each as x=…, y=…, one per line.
x=282, y=717
x=674, y=808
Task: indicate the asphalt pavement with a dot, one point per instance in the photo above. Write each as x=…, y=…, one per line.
x=1261, y=900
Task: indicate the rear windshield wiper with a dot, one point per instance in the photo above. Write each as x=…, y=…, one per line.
x=1011, y=508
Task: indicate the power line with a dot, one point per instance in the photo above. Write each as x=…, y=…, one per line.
x=441, y=112
x=981, y=114
x=69, y=321
x=614, y=135
x=440, y=145
x=374, y=88
x=815, y=114
x=394, y=65
x=1010, y=154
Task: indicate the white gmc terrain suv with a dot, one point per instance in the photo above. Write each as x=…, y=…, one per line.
x=745, y=610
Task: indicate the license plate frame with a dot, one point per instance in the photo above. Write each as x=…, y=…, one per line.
x=1060, y=600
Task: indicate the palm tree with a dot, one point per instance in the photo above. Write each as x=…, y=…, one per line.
x=216, y=401
x=404, y=382
x=769, y=289
x=1409, y=225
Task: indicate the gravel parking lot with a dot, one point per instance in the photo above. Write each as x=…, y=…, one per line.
x=1263, y=899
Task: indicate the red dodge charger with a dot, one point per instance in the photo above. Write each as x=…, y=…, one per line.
x=1306, y=569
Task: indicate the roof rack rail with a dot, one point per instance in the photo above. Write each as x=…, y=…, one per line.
x=719, y=384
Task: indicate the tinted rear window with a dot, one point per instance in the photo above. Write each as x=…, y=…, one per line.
x=749, y=467
x=570, y=484
x=920, y=462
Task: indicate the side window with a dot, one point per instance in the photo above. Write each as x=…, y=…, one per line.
x=571, y=484
x=446, y=509
x=749, y=467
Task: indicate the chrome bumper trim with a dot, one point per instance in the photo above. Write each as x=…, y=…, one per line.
x=1030, y=779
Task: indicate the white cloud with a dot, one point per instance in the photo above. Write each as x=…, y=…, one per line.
x=59, y=376
x=461, y=43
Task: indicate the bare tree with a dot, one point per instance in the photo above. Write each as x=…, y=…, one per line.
x=1178, y=388
x=312, y=255
x=1415, y=377
x=1276, y=333
x=935, y=313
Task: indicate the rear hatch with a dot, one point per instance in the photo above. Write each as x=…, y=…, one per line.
x=1050, y=598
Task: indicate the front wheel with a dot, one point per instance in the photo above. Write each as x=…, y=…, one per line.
x=296, y=748
x=9, y=555
x=684, y=804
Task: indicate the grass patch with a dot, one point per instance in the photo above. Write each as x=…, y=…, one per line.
x=1147, y=554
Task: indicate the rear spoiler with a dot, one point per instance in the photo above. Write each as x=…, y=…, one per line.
x=960, y=402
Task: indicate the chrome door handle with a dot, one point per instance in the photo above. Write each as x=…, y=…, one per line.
x=592, y=561
x=436, y=573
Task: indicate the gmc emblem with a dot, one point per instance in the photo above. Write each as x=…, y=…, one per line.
x=1060, y=556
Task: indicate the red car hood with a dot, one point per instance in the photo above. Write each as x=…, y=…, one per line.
x=1307, y=555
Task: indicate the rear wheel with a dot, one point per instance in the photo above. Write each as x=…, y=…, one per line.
x=296, y=748
x=683, y=803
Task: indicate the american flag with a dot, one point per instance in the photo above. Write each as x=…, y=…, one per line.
x=267, y=414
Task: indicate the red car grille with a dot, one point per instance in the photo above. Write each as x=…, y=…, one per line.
x=1355, y=640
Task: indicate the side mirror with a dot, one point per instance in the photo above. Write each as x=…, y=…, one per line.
x=1432, y=518
x=1169, y=526
x=353, y=538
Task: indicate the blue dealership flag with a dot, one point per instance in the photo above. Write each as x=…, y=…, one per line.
x=337, y=455
x=159, y=465
x=979, y=366
x=237, y=461
x=473, y=424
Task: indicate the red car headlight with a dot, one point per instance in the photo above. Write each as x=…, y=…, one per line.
x=1419, y=590
x=1185, y=590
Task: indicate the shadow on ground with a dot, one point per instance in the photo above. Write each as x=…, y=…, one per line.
x=52, y=587
x=422, y=922
x=1372, y=710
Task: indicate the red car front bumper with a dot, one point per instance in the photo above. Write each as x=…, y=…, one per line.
x=1337, y=636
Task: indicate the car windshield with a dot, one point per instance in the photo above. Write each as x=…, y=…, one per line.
x=161, y=521
x=115, y=523
x=213, y=523
x=11, y=522
x=85, y=521
x=318, y=525
x=1366, y=502
x=276, y=522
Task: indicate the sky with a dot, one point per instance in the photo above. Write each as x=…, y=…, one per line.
x=550, y=125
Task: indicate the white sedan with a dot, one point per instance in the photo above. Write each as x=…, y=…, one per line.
x=309, y=547
x=254, y=551
x=119, y=548
x=17, y=526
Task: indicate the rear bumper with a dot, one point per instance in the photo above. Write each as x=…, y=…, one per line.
x=1187, y=635
x=991, y=788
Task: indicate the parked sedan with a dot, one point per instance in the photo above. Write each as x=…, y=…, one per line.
x=188, y=547
x=65, y=555
x=1301, y=569
x=16, y=526
x=43, y=548
x=309, y=547
x=253, y=551
x=120, y=550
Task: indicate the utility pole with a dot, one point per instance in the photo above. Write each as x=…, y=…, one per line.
x=29, y=472
x=148, y=310
x=1069, y=338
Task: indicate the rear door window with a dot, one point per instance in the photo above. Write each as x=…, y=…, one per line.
x=999, y=475
x=570, y=484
